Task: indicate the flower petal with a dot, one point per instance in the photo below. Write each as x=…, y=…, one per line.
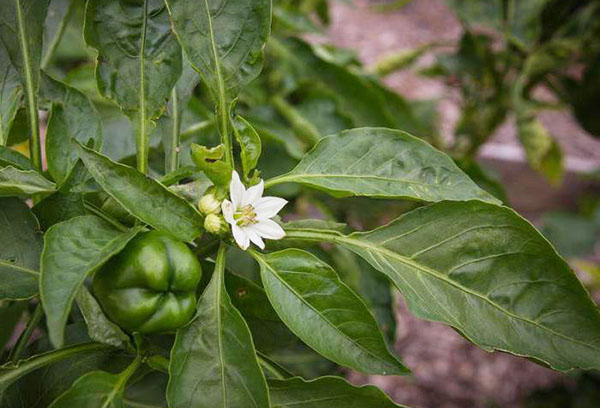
x=240, y=236
x=253, y=194
x=255, y=238
x=236, y=190
x=268, y=229
x=268, y=207
x=227, y=208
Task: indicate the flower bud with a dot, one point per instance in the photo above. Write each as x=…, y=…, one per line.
x=215, y=224
x=209, y=204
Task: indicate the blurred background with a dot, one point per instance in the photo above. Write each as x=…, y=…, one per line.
x=404, y=41
x=510, y=89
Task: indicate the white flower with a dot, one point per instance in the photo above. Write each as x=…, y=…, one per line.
x=249, y=214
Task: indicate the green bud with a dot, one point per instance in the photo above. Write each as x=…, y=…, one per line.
x=215, y=224
x=209, y=204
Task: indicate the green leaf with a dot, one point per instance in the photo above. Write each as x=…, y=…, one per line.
x=10, y=373
x=321, y=310
x=574, y=235
x=58, y=207
x=100, y=329
x=17, y=282
x=524, y=23
x=11, y=93
x=213, y=362
x=20, y=249
x=542, y=151
x=21, y=32
x=97, y=389
x=10, y=157
x=38, y=388
x=223, y=40
x=382, y=163
x=357, y=97
x=325, y=392
x=488, y=273
x=143, y=197
x=72, y=117
x=373, y=288
x=139, y=59
x=249, y=142
x=73, y=250
x=20, y=235
x=23, y=182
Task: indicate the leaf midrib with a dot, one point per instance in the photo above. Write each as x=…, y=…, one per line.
x=300, y=176
x=332, y=236
x=344, y=335
x=386, y=252
x=18, y=267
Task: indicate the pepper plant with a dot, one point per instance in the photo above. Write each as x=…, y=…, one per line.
x=181, y=286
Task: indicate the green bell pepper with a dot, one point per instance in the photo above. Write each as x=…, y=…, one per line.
x=150, y=286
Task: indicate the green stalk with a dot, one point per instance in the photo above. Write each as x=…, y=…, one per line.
x=284, y=178
x=126, y=375
x=35, y=148
x=141, y=136
x=270, y=368
x=172, y=159
x=16, y=352
x=99, y=213
x=222, y=108
x=195, y=128
x=303, y=128
x=58, y=36
x=9, y=375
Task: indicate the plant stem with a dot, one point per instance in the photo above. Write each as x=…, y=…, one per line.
x=126, y=375
x=99, y=213
x=220, y=260
x=24, y=338
x=172, y=159
x=58, y=36
x=141, y=131
x=9, y=375
x=303, y=128
x=195, y=128
x=158, y=362
x=223, y=118
x=222, y=108
x=35, y=148
x=276, y=180
x=269, y=367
